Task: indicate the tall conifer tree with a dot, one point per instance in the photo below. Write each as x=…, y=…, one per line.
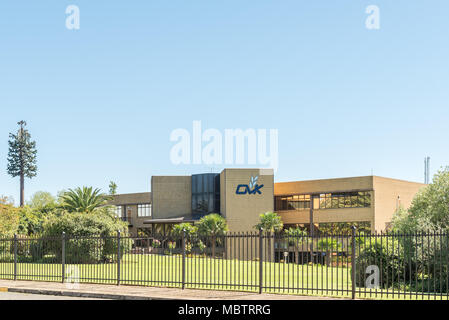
x=22, y=157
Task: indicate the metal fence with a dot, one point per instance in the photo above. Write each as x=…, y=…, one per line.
x=387, y=266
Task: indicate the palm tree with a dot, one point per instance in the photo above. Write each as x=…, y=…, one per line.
x=270, y=222
x=296, y=236
x=83, y=199
x=212, y=225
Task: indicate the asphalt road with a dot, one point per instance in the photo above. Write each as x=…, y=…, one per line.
x=26, y=296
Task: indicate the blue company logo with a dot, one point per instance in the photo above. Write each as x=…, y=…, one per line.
x=251, y=188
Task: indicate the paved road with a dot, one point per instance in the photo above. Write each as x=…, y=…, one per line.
x=26, y=296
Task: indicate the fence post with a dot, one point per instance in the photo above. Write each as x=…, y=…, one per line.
x=118, y=258
x=63, y=257
x=15, y=257
x=183, y=284
x=353, y=271
x=260, y=260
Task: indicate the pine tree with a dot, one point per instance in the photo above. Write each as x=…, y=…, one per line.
x=112, y=188
x=22, y=157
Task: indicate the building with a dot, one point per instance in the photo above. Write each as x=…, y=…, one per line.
x=241, y=195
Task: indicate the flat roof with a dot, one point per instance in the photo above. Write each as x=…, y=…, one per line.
x=346, y=178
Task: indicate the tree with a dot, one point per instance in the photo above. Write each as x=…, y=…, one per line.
x=429, y=210
x=428, y=214
x=42, y=201
x=83, y=199
x=190, y=229
x=22, y=157
x=112, y=188
x=212, y=225
x=295, y=237
x=9, y=219
x=270, y=222
x=86, y=249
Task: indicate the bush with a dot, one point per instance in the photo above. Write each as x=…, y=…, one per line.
x=91, y=237
x=388, y=257
x=329, y=245
x=9, y=219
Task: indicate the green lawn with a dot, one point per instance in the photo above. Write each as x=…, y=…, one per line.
x=203, y=273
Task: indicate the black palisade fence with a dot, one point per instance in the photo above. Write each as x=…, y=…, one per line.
x=354, y=265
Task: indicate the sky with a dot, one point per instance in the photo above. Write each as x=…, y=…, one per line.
x=102, y=101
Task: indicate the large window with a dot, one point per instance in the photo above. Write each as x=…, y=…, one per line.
x=144, y=210
x=205, y=193
x=293, y=202
x=324, y=201
x=345, y=200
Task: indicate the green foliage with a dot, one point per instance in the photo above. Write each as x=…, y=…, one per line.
x=295, y=232
x=429, y=211
x=112, y=188
x=101, y=226
x=329, y=245
x=190, y=229
x=270, y=222
x=9, y=218
x=83, y=199
x=102, y=223
x=42, y=201
x=201, y=246
x=188, y=247
x=31, y=221
x=22, y=153
x=344, y=228
x=156, y=243
x=428, y=214
x=388, y=256
x=212, y=225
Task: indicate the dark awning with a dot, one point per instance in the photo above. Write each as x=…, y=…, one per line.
x=169, y=221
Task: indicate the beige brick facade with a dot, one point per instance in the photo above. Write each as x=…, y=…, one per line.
x=171, y=197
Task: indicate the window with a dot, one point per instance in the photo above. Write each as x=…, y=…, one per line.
x=118, y=211
x=205, y=193
x=324, y=201
x=144, y=210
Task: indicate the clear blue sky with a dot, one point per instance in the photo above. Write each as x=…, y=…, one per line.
x=102, y=101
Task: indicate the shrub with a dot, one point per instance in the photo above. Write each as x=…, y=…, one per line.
x=9, y=219
x=388, y=257
x=156, y=243
x=91, y=238
x=190, y=229
x=329, y=245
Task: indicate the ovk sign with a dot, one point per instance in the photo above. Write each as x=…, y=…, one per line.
x=251, y=188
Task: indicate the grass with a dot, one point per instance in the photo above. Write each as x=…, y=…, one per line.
x=206, y=273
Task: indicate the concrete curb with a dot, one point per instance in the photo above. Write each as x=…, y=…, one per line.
x=80, y=294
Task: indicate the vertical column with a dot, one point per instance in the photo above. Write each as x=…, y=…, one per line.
x=260, y=260
x=353, y=274
x=118, y=258
x=63, y=257
x=15, y=257
x=183, y=259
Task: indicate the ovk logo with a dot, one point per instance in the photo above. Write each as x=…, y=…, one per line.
x=251, y=188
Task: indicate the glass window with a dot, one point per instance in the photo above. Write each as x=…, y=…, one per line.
x=325, y=201
x=144, y=210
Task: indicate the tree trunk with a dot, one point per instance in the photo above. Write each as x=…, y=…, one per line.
x=22, y=190
x=213, y=246
x=296, y=253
